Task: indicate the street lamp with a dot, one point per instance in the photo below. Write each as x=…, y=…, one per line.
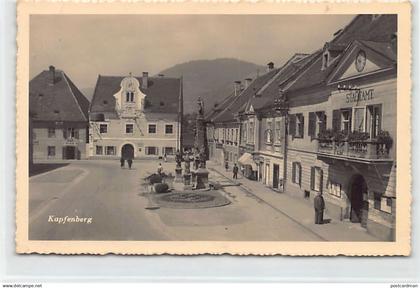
x=281, y=106
x=348, y=88
x=280, y=102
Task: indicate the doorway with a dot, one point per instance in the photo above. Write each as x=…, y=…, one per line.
x=359, y=200
x=127, y=152
x=276, y=174
x=69, y=152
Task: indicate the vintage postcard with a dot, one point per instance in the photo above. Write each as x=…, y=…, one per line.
x=193, y=128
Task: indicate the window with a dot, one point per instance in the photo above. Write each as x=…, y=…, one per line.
x=129, y=96
x=103, y=128
x=346, y=120
x=151, y=150
x=169, y=150
x=296, y=173
x=152, y=129
x=279, y=130
x=251, y=132
x=374, y=115
x=359, y=119
x=334, y=189
x=51, y=132
x=71, y=133
x=268, y=135
x=110, y=150
x=316, y=179
x=51, y=151
x=296, y=125
x=129, y=128
x=244, y=132
x=99, y=150
x=317, y=123
x=382, y=203
x=169, y=129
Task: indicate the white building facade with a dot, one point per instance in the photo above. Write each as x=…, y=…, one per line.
x=135, y=117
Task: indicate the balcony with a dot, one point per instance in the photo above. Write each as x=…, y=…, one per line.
x=358, y=149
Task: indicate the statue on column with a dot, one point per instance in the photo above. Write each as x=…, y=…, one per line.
x=200, y=106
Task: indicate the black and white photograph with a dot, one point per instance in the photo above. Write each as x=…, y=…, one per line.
x=260, y=128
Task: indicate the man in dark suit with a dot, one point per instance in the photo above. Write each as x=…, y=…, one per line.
x=319, y=205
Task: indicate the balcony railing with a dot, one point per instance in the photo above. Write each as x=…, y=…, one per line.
x=367, y=149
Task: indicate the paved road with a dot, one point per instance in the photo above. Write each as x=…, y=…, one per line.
x=112, y=198
x=96, y=190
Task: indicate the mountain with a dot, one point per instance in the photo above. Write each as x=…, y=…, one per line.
x=212, y=80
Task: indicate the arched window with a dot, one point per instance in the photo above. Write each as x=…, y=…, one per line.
x=268, y=136
x=129, y=96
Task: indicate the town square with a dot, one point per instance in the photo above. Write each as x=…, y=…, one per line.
x=298, y=150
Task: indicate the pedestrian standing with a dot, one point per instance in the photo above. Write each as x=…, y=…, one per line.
x=319, y=205
x=227, y=166
x=122, y=161
x=130, y=162
x=235, y=171
x=164, y=157
x=160, y=169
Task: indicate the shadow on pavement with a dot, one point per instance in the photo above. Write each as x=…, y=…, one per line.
x=44, y=167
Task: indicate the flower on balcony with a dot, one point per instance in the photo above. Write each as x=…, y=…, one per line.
x=384, y=138
x=357, y=136
x=326, y=135
x=331, y=135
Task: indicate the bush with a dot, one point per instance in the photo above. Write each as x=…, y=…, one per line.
x=384, y=138
x=155, y=178
x=356, y=136
x=161, y=188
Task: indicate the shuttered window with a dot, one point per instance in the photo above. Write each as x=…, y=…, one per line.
x=292, y=125
x=300, y=124
x=336, y=121
x=312, y=125
x=296, y=125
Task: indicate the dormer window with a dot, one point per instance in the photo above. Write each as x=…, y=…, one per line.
x=129, y=96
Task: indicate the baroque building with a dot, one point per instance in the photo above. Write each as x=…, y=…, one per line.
x=135, y=117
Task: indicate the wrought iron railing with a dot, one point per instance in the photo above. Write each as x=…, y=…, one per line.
x=369, y=149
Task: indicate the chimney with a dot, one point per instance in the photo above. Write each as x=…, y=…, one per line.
x=237, y=87
x=51, y=76
x=248, y=82
x=270, y=66
x=145, y=80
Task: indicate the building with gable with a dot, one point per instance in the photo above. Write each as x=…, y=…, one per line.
x=224, y=127
x=335, y=130
x=135, y=117
x=342, y=125
x=58, y=117
x=264, y=127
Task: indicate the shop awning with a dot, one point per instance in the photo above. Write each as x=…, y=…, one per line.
x=246, y=159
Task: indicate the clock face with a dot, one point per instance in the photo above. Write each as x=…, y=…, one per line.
x=360, y=61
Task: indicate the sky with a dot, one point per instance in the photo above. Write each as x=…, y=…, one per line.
x=85, y=46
